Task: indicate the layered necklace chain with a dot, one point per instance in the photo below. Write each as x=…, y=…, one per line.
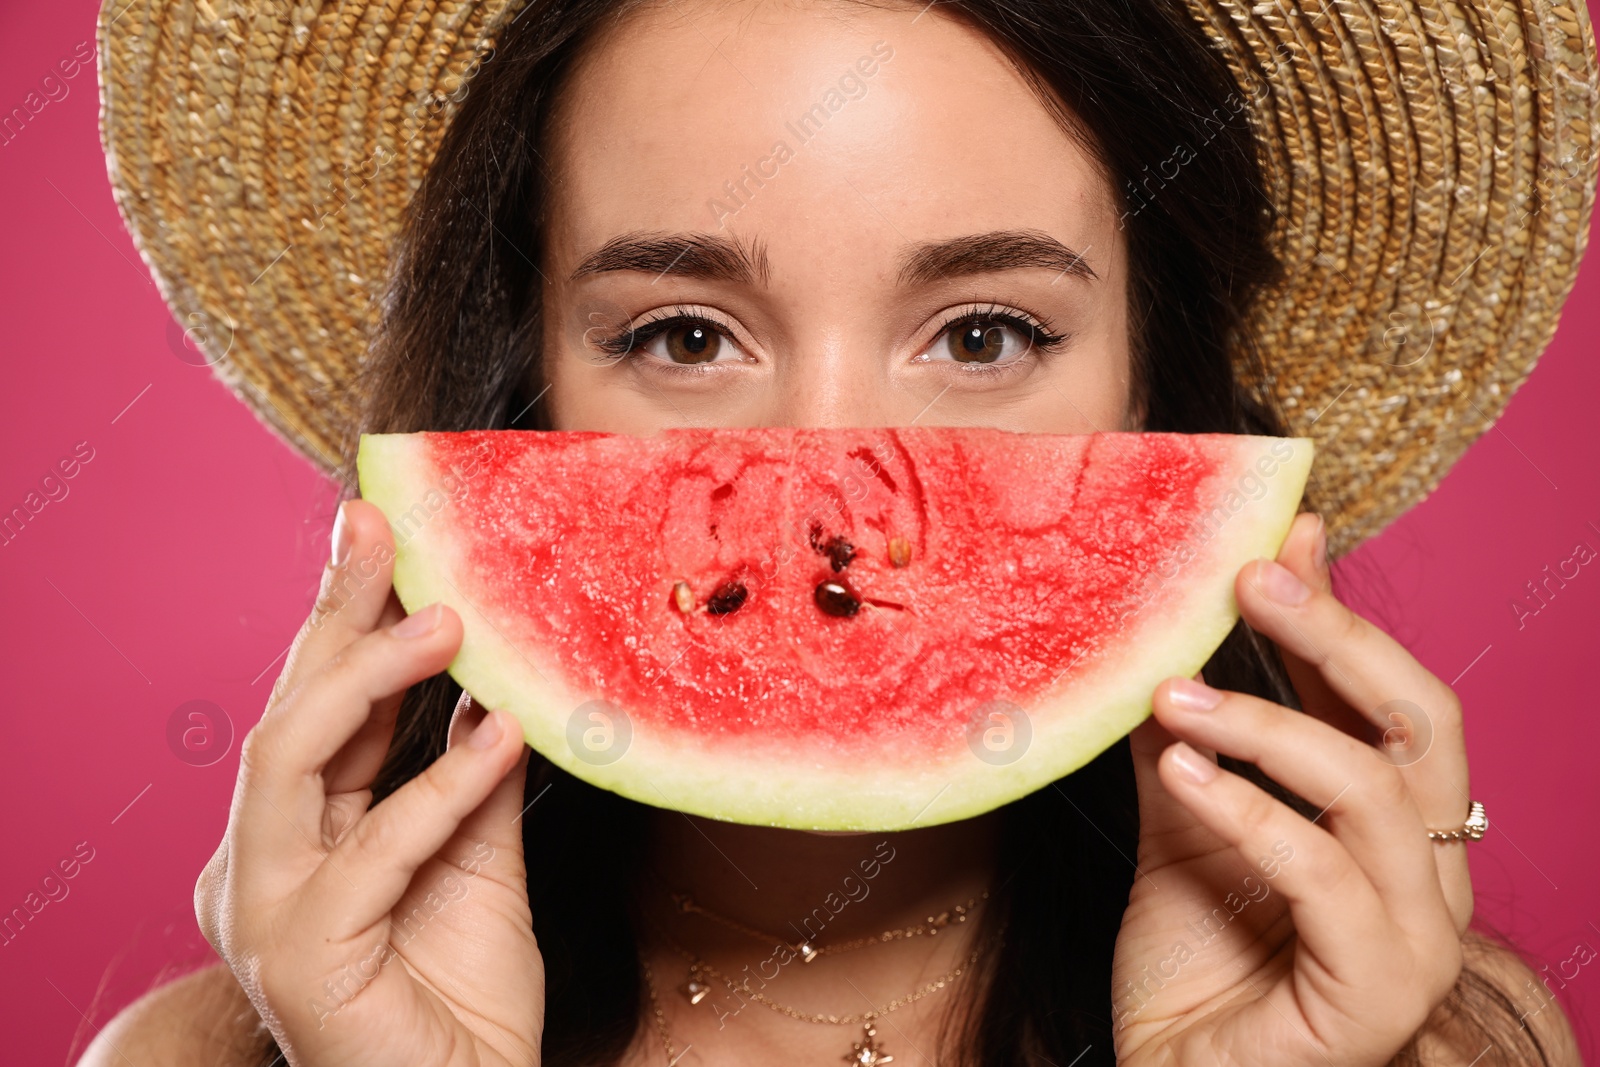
x=808, y=951
x=863, y=1053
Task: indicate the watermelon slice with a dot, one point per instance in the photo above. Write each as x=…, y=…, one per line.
x=862, y=629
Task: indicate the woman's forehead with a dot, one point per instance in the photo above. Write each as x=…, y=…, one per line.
x=794, y=126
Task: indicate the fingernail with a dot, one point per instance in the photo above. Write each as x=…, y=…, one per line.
x=1280, y=583
x=1190, y=695
x=486, y=733
x=341, y=539
x=418, y=623
x=1319, y=547
x=1194, y=766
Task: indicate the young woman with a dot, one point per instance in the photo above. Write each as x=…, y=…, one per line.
x=1047, y=217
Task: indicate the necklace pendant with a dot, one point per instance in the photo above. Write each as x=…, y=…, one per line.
x=695, y=989
x=866, y=1053
x=807, y=951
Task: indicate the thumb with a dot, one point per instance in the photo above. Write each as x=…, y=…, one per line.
x=1167, y=831
x=497, y=822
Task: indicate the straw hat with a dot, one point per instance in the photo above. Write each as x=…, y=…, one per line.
x=1433, y=162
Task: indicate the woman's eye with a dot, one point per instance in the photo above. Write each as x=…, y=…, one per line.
x=691, y=343
x=983, y=341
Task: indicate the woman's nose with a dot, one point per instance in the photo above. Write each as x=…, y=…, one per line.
x=837, y=385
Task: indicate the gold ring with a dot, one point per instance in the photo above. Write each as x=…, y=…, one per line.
x=1477, y=823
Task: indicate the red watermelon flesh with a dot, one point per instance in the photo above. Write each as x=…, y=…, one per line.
x=829, y=629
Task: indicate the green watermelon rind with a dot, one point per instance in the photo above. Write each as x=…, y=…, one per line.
x=770, y=787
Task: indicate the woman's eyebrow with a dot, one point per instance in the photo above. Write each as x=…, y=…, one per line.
x=997, y=250
x=718, y=257
x=697, y=255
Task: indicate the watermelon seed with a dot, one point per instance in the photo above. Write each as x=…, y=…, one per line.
x=838, y=551
x=729, y=597
x=899, y=551
x=683, y=597
x=884, y=603
x=836, y=599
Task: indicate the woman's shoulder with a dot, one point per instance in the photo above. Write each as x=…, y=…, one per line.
x=203, y=1018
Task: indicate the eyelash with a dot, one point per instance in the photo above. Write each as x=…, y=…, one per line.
x=629, y=343
x=1032, y=328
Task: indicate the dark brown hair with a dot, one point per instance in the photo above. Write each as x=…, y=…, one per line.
x=458, y=349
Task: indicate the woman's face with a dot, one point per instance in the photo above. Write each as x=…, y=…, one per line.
x=819, y=214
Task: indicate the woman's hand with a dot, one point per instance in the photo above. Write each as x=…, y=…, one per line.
x=395, y=933
x=1254, y=935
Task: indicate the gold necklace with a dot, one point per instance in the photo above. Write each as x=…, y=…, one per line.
x=655, y=1009
x=863, y=1053
x=807, y=950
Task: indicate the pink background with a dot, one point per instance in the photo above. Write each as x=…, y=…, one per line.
x=186, y=553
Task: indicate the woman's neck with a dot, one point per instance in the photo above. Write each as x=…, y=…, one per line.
x=817, y=887
x=793, y=887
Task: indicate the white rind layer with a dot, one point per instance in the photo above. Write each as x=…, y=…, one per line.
x=1175, y=634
